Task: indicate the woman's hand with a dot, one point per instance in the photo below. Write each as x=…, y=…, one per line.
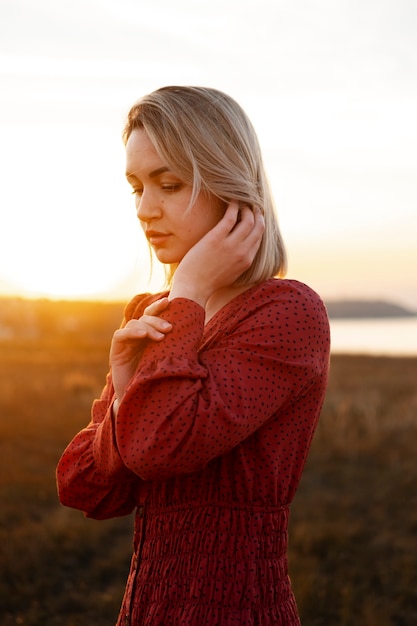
x=128, y=343
x=221, y=256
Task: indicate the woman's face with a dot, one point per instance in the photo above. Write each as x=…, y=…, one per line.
x=162, y=200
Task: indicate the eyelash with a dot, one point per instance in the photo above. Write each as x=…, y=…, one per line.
x=171, y=188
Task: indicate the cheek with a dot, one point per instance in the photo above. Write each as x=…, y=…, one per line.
x=203, y=217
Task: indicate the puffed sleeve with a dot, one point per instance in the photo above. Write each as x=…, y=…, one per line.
x=106, y=488
x=100, y=492
x=185, y=406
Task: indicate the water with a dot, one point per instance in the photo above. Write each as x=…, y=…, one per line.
x=390, y=336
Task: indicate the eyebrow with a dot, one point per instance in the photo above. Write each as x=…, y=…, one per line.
x=153, y=174
x=158, y=171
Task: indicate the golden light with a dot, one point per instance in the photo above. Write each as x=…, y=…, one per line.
x=71, y=229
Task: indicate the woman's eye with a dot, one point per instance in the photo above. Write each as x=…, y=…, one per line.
x=171, y=187
x=168, y=187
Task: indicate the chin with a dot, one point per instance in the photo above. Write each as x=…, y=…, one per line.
x=167, y=258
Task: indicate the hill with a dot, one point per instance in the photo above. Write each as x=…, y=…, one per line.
x=338, y=309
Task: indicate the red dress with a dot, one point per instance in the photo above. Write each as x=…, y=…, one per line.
x=208, y=446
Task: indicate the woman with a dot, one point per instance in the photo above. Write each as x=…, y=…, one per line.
x=215, y=385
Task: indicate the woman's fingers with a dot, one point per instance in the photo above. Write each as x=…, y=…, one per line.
x=127, y=344
x=251, y=223
x=240, y=221
x=156, y=307
x=246, y=237
x=149, y=326
x=228, y=222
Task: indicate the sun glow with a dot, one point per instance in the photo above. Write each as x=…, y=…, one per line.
x=70, y=233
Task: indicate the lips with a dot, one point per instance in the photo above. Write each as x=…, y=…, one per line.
x=155, y=237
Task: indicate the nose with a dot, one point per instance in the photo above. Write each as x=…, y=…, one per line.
x=147, y=207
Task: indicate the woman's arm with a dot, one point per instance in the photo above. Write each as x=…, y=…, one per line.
x=102, y=492
x=108, y=489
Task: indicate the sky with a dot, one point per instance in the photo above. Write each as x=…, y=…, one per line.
x=330, y=85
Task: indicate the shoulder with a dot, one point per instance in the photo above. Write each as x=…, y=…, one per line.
x=135, y=308
x=294, y=320
x=288, y=294
x=289, y=308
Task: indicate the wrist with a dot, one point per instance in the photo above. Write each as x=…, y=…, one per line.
x=190, y=292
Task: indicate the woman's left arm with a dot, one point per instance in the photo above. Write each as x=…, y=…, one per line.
x=108, y=489
x=100, y=492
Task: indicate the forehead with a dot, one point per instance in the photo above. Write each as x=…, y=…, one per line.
x=141, y=155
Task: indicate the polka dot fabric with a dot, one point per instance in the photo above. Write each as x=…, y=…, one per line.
x=208, y=446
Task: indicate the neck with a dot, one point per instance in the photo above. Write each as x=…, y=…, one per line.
x=221, y=297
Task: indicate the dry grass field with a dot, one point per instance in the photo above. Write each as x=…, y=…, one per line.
x=353, y=534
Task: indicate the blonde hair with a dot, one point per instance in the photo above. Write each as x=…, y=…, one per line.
x=208, y=141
